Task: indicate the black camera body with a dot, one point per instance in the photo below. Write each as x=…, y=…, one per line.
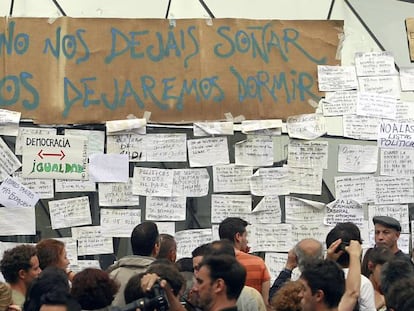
x=342, y=247
x=158, y=302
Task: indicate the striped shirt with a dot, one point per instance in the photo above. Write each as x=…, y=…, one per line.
x=256, y=270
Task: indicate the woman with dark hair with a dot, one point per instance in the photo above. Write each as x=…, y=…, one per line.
x=371, y=267
x=52, y=253
x=51, y=283
x=94, y=289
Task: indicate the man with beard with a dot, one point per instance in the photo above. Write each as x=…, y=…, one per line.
x=219, y=283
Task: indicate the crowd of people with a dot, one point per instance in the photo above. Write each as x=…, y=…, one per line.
x=220, y=275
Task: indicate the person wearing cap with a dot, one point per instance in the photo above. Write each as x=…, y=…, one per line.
x=387, y=233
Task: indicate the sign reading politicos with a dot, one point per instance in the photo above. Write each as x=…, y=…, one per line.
x=94, y=70
x=55, y=156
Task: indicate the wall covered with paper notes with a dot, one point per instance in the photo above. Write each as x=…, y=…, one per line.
x=294, y=143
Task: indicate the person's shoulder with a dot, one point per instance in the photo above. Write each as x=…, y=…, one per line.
x=131, y=262
x=248, y=256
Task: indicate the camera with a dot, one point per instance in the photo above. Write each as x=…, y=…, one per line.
x=158, y=301
x=341, y=247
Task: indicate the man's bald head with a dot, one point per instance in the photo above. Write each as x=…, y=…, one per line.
x=308, y=249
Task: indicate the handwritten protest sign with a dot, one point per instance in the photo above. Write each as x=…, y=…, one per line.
x=188, y=240
x=42, y=187
x=119, y=222
x=256, y=67
x=165, y=208
x=14, y=194
x=91, y=241
x=8, y=161
x=70, y=212
x=208, y=151
x=228, y=178
x=231, y=205
x=340, y=211
x=117, y=194
x=190, y=182
x=55, y=156
x=396, y=135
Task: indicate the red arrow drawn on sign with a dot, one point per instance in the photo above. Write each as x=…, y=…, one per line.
x=41, y=154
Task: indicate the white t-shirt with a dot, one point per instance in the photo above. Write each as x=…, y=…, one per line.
x=366, y=298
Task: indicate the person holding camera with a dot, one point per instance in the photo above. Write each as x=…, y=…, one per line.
x=336, y=241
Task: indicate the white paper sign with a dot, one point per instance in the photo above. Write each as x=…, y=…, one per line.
x=14, y=194
x=70, y=212
x=152, y=182
x=375, y=64
x=308, y=154
x=166, y=147
x=405, y=112
x=190, y=182
x=357, y=158
x=9, y=163
x=360, y=188
x=306, y=126
x=133, y=125
x=165, y=208
x=109, y=167
x=271, y=127
x=30, y=131
x=9, y=122
x=254, y=151
x=318, y=231
x=302, y=211
x=397, y=162
x=119, y=222
x=96, y=139
x=223, y=206
x=188, y=240
x=17, y=221
x=57, y=156
x=275, y=238
x=376, y=105
x=360, y=127
x=267, y=211
x=394, y=190
x=91, y=241
x=166, y=227
x=339, y=103
x=335, y=78
x=231, y=178
x=131, y=144
x=70, y=185
x=385, y=85
x=341, y=210
x=212, y=128
x=42, y=187
x=83, y=264
x=407, y=78
x=208, y=151
x=396, y=135
x=117, y=194
x=270, y=181
x=305, y=180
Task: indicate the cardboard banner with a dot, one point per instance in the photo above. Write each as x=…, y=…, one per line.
x=409, y=24
x=94, y=70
